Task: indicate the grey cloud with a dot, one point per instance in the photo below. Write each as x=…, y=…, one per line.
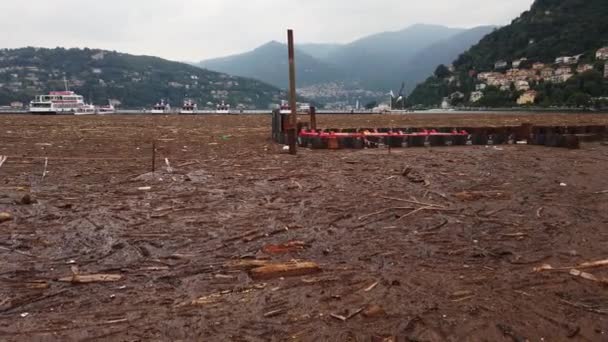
x=198, y=29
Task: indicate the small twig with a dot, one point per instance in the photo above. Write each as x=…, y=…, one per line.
x=187, y=164
x=372, y=286
x=585, y=265
x=417, y=211
x=169, y=168
x=342, y=318
x=116, y=321
x=153, y=156
x=383, y=211
x=33, y=300
x=2, y=160
x=539, y=211
x=345, y=318
x=46, y=164
x=274, y=313
x=584, y=307
x=438, y=194
x=412, y=201
x=18, y=252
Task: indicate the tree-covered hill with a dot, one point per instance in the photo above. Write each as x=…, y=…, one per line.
x=135, y=81
x=550, y=29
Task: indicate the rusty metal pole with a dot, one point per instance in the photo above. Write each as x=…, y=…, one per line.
x=291, y=133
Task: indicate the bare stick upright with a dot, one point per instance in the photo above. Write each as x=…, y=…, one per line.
x=153, y=155
x=291, y=133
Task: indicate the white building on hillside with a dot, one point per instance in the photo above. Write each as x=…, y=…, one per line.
x=522, y=85
x=602, y=54
x=476, y=96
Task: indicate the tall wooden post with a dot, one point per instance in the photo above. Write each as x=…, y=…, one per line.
x=313, y=118
x=291, y=133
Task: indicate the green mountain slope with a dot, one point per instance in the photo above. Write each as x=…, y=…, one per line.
x=269, y=63
x=550, y=29
x=377, y=61
x=136, y=81
x=443, y=52
x=364, y=69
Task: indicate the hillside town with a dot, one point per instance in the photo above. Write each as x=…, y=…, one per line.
x=338, y=95
x=109, y=76
x=524, y=73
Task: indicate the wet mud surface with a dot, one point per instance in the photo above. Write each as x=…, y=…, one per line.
x=419, y=244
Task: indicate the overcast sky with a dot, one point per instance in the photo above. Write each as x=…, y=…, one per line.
x=198, y=29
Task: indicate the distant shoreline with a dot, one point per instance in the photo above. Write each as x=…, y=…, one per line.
x=496, y=111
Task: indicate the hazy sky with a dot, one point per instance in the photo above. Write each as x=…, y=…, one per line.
x=199, y=29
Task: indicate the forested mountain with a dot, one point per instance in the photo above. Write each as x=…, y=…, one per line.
x=135, y=81
x=379, y=61
x=525, y=56
x=443, y=52
x=371, y=65
x=268, y=63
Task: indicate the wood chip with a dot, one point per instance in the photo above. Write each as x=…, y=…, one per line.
x=5, y=217
x=372, y=286
x=477, y=195
x=290, y=269
x=274, y=313
x=91, y=278
x=587, y=276
x=246, y=264
x=585, y=265
x=339, y=317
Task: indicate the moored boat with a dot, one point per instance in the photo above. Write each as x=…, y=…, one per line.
x=57, y=102
x=104, y=110
x=161, y=108
x=86, y=109
x=189, y=107
x=222, y=108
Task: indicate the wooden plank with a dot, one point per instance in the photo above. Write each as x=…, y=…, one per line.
x=290, y=269
x=91, y=278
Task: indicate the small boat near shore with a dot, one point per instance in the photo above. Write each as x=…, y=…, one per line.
x=105, y=110
x=161, y=107
x=222, y=108
x=86, y=109
x=189, y=107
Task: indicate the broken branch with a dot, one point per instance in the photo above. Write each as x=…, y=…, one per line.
x=585, y=265
x=290, y=269
x=383, y=211
x=91, y=278
x=411, y=201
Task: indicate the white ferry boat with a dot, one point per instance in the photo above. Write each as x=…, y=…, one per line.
x=103, y=110
x=86, y=109
x=57, y=102
x=161, y=108
x=222, y=108
x=189, y=107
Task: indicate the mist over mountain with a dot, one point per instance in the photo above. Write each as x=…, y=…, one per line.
x=268, y=63
x=362, y=69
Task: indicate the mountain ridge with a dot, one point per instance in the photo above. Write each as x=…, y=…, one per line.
x=136, y=81
x=375, y=63
x=492, y=73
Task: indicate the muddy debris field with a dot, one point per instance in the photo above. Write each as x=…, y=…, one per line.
x=231, y=239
